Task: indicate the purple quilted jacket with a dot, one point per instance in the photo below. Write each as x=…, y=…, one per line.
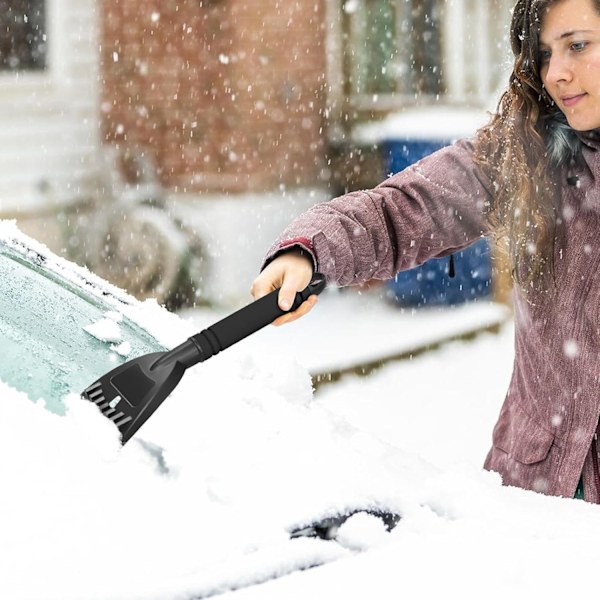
x=544, y=439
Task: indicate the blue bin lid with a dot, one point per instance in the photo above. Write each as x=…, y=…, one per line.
x=436, y=124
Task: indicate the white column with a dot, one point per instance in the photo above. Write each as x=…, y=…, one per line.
x=483, y=35
x=334, y=66
x=453, y=48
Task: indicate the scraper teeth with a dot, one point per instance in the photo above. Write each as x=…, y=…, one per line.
x=123, y=421
x=94, y=389
x=95, y=394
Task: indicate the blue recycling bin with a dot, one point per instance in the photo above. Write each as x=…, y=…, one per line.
x=431, y=283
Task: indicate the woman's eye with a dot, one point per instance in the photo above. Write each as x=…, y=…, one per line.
x=578, y=46
x=544, y=56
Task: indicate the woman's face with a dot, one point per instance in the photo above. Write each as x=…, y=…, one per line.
x=570, y=60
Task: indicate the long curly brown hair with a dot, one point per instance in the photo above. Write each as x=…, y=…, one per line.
x=518, y=146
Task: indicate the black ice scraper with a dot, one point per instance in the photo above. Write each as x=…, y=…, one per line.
x=129, y=394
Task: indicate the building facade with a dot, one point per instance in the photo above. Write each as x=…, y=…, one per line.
x=245, y=104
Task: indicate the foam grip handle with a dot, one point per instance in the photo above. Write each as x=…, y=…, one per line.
x=250, y=319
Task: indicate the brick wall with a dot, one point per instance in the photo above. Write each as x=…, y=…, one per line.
x=224, y=94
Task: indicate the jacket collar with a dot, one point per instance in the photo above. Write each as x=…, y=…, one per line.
x=590, y=138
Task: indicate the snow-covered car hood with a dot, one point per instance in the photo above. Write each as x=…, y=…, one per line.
x=242, y=454
x=203, y=501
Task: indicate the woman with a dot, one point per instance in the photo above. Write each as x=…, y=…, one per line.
x=530, y=178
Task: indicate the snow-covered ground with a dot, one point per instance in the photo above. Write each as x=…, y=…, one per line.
x=352, y=327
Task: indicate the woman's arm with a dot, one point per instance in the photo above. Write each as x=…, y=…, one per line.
x=430, y=209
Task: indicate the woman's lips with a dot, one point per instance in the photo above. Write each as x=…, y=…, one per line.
x=569, y=101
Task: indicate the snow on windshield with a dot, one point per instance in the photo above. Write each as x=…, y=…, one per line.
x=106, y=330
x=58, y=334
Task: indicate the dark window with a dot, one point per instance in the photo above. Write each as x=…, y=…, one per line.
x=393, y=47
x=23, y=43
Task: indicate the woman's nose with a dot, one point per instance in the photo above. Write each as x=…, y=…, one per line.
x=559, y=69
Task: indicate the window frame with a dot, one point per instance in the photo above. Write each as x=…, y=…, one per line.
x=472, y=75
x=24, y=82
x=14, y=13
x=356, y=70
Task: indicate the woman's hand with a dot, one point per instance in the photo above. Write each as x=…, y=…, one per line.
x=292, y=272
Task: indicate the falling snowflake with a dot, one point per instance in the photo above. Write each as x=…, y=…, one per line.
x=351, y=6
x=571, y=349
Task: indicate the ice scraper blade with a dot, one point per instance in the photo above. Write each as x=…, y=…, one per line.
x=129, y=394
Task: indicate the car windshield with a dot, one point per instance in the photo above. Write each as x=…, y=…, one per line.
x=46, y=351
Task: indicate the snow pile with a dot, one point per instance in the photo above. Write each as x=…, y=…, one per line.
x=362, y=531
x=241, y=453
x=203, y=499
x=106, y=330
x=465, y=536
x=233, y=460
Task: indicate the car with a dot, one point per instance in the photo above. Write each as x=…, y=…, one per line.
x=237, y=479
x=243, y=485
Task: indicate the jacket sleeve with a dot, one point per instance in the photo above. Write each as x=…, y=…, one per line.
x=430, y=209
